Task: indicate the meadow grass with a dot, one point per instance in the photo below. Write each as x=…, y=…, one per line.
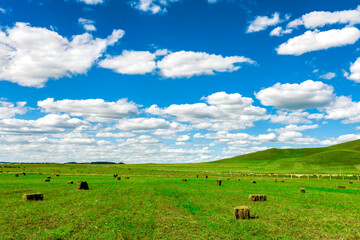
x=155, y=204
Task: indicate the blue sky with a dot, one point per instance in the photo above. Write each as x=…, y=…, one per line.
x=167, y=81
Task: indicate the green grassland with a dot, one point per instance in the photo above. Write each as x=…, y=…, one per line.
x=155, y=204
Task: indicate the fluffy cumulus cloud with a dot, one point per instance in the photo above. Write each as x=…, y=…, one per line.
x=306, y=95
x=143, y=124
x=8, y=109
x=294, y=117
x=262, y=22
x=225, y=110
x=152, y=6
x=87, y=24
x=131, y=62
x=96, y=110
x=354, y=71
x=344, y=108
x=316, y=40
x=30, y=56
x=91, y=2
x=279, y=31
x=321, y=18
x=188, y=63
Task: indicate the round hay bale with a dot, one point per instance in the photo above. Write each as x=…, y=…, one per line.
x=218, y=182
x=253, y=182
x=16, y=175
x=302, y=190
x=33, y=197
x=70, y=182
x=57, y=175
x=48, y=177
x=115, y=175
x=238, y=179
x=350, y=182
x=126, y=177
x=184, y=180
x=206, y=176
x=82, y=185
x=275, y=180
x=242, y=212
x=341, y=187
x=228, y=179
x=197, y=176
x=47, y=180
x=118, y=178
x=23, y=173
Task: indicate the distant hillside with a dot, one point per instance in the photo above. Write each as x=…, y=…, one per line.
x=342, y=157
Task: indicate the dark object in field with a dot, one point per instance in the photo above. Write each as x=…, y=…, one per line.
x=118, y=178
x=275, y=180
x=342, y=187
x=197, y=176
x=47, y=180
x=23, y=173
x=82, y=185
x=218, y=182
x=206, y=176
x=238, y=179
x=350, y=182
x=242, y=212
x=126, y=177
x=16, y=175
x=57, y=175
x=228, y=179
x=253, y=182
x=184, y=180
x=70, y=182
x=257, y=197
x=34, y=197
x=282, y=181
x=48, y=177
x=115, y=175
x=302, y=190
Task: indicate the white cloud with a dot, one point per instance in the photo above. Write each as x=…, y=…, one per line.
x=316, y=40
x=321, y=18
x=183, y=138
x=294, y=117
x=262, y=22
x=92, y=2
x=30, y=56
x=115, y=135
x=344, y=108
x=87, y=24
x=308, y=94
x=8, y=110
x=278, y=31
x=131, y=62
x=2, y=10
x=328, y=76
x=188, y=63
x=293, y=127
x=142, y=124
x=152, y=6
x=354, y=71
x=96, y=110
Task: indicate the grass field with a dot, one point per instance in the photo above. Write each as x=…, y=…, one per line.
x=156, y=204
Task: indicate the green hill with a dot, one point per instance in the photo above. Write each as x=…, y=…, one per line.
x=343, y=157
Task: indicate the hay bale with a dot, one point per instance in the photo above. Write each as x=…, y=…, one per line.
x=242, y=212
x=47, y=180
x=48, y=177
x=302, y=190
x=82, y=185
x=257, y=197
x=342, y=187
x=253, y=182
x=33, y=197
x=197, y=176
x=115, y=175
x=118, y=178
x=23, y=173
x=57, y=175
x=206, y=176
x=275, y=180
x=282, y=181
x=350, y=182
x=238, y=179
x=126, y=177
x=70, y=182
x=218, y=182
x=228, y=179
x=16, y=175
x=184, y=180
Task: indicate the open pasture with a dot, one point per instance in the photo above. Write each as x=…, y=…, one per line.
x=157, y=204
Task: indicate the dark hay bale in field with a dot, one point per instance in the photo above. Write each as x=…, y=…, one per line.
x=115, y=175
x=238, y=179
x=342, y=187
x=16, y=175
x=228, y=179
x=184, y=180
x=282, y=181
x=197, y=176
x=275, y=180
x=206, y=176
x=218, y=182
x=257, y=197
x=302, y=190
x=118, y=178
x=70, y=182
x=57, y=175
x=253, y=182
x=47, y=180
x=242, y=212
x=350, y=182
x=33, y=197
x=126, y=177
x=82, y=185
x=23, y=173
x=48, y=177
